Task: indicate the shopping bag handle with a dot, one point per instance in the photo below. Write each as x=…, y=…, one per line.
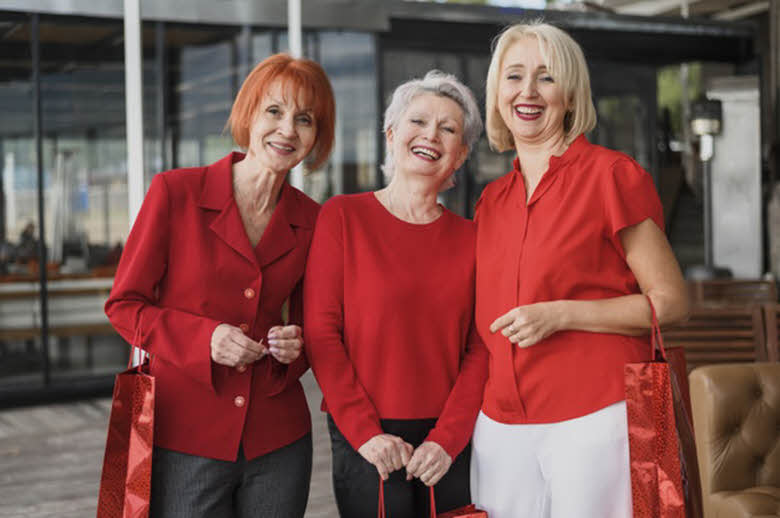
x=381, y=511
x=656, y=339
x=143, y=365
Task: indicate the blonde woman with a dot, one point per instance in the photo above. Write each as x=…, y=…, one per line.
x=570, y=244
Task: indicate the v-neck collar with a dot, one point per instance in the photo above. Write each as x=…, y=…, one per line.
x=550, y=175
x=278, y=237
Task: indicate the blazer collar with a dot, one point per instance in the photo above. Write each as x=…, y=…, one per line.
x=279, y=236
x=217, y=187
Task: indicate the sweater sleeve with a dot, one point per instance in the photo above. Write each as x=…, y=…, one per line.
x=345, y=397
x=456, y=423
x=179, y=338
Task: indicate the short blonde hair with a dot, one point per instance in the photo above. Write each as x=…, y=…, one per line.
x=565, y=62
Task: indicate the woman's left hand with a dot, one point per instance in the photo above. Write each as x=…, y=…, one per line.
x=429, y=463
x=528, y=325
x=285, y=343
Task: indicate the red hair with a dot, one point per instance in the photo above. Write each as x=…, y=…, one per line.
x=305, y=80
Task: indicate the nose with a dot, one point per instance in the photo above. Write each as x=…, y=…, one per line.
x=287, y=126
x=431, y=132
x=529, y=86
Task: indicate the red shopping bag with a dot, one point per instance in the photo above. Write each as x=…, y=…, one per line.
x=468, y=511
x=125, y=483
x=663, y=485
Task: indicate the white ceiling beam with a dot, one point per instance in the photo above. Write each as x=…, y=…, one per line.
x=743, y=12
x=652, y=7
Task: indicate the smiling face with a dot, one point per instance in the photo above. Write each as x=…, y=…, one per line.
x=530, y=102
x=282, y=132
x=428, y=139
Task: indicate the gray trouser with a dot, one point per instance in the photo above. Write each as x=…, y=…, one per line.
x=274, y=485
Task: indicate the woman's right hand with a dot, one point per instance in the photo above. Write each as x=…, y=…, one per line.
x=231, y=347
x=387, y=453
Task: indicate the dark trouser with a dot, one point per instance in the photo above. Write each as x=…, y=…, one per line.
x=274, y=485
x=356, y=481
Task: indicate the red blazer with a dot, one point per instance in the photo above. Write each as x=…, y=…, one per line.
x=188, y=266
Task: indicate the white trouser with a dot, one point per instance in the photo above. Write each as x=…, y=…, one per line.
x=571, y=469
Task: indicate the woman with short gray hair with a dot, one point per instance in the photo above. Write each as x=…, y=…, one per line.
x=389, y=297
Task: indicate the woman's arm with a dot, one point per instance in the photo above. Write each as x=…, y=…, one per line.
x=651, y=260
x=347, y=400
x=180, y=338
x=432, y=459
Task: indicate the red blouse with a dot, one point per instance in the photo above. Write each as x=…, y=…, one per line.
x=389, y=321
x=562, y=244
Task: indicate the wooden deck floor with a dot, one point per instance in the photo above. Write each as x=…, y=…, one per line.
x=50, y=459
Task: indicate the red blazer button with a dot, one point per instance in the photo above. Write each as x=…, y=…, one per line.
x=239, y=401
x=244, y=327
x=249, y=293
x=241, y=368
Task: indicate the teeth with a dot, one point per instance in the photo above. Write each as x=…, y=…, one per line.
x=429, y=153
x=527, y=110
x=281, y=147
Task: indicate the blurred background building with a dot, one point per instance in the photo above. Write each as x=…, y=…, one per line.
x=63, y=145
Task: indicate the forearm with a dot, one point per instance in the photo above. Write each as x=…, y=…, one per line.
x=628, y=314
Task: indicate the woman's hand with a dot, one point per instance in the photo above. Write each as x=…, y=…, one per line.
x=528, y=325
x=231, y=347
x=429, y=463
x=387, y=453
x=285, y=343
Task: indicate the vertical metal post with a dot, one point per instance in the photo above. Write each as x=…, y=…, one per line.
x=774, y=82
x=379, y=180
x=295, y=37
x=161, y=64
x=134, y=108
x=38, y=132
x=707, y=180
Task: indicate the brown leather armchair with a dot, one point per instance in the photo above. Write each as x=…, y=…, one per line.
x=736, y=418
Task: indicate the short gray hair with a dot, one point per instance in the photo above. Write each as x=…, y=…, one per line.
x=438, y=83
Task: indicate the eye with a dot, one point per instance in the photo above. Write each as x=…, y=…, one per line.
x=419, y=122
x=546, y=79
x=448, y=129
x=514, y=77
x=304, y=119
x=273, y=110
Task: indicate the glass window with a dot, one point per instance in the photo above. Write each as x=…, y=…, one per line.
x=349, y=60
x=85, y=189
x=203, y=78
x=84, y=193
x=21, y=361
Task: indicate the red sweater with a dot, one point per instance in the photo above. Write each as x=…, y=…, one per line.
x=389, y=321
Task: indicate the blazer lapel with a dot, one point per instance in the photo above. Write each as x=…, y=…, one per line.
x=217, y=195
x=279, y=237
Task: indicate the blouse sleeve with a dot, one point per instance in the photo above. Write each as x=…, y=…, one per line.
x=345, y=397
x=630, y=198
x=180, y=338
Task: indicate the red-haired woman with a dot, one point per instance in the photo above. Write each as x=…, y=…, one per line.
x=212, y=257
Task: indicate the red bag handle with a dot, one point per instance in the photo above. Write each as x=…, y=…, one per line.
x=381, y=511
x=656, y=339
